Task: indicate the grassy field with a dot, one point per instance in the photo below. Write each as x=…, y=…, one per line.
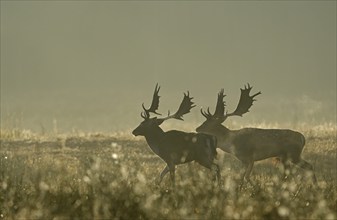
x=99, y=176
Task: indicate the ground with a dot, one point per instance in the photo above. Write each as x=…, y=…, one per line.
x=113, y=176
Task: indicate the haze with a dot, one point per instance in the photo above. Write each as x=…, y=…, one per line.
x=90, y=65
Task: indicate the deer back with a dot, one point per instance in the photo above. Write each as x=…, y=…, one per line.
x=258, y=144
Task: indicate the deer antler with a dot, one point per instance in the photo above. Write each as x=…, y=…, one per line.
x=207, y=114
x=245, y=102
x=220, y=105
x=184, y=108
x=154, y=105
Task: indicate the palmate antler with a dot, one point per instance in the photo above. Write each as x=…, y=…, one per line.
x=245, y=102
x=220, y=107
x=184, y=108
x=154, y=104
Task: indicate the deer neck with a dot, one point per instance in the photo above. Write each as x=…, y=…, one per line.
x=220, y=131
x=153, y=139
x=225, y=139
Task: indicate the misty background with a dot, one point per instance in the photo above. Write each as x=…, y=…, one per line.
x=90, y=65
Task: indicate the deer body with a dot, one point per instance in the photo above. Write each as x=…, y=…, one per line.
x=258, y=144
x=176, y=147
x=253, y=144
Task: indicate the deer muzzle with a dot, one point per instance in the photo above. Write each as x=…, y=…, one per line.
x=135, y=132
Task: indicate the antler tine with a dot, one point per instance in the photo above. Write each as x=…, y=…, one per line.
x=245, y=102
x=207, y=114
x=220, y=105
x=256, y=94
x=250, y=88
x=203, y=113
x=144, y=107
x=144, y=115
x=184, y=108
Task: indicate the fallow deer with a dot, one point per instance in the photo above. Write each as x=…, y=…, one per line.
x=176, y=147
x=253, y=144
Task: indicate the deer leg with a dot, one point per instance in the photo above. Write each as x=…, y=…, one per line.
x=307, y=166
x=163, y=173
x=248, y=170
x=212, y=166
x=246, y=175
x=286, y=168
x=217, y=175
x=172, y=175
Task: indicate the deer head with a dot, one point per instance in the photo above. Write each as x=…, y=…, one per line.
x=213, y=121
x=148, y=124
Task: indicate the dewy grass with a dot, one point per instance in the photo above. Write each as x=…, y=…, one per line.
x=97, y=176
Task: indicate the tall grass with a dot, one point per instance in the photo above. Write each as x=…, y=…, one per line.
x=99, y=176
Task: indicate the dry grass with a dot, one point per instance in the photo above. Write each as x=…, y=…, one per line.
x=95, y=176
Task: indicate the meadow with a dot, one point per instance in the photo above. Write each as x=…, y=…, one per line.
x=113, y=176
